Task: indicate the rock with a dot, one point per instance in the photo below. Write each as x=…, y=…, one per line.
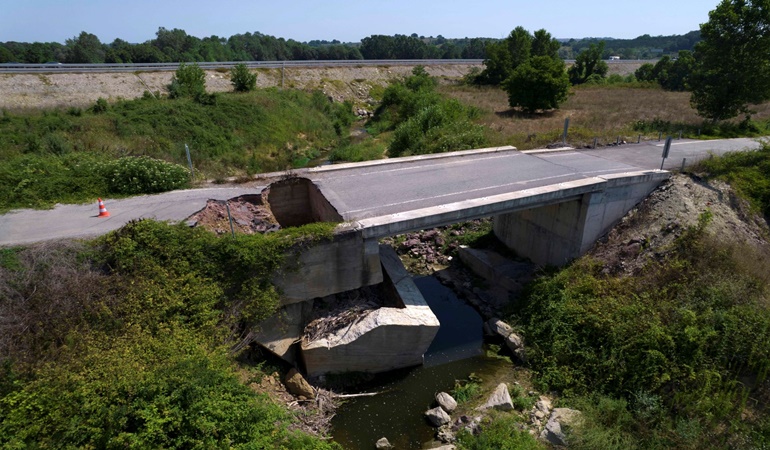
x=383, y=443
x=500, y=399
x=544, y=405
x=499, y=327
x=297, y=385
x=446, y=401
x=553, y=429
x=514, y=342
x=437, y=416
x=446, y=435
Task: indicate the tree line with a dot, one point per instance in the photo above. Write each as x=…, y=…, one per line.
x=176, y=45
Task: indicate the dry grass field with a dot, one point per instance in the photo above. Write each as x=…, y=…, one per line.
x=604, y=112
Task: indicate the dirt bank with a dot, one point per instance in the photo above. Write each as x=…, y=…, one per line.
x=54, y=90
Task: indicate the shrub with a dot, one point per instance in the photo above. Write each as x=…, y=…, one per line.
x=242, y=79
x=100, y=106
x=144, y=175
x=188, y=81
x=501, y=432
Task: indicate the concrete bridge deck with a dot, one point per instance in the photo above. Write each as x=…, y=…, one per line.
x=408, y=194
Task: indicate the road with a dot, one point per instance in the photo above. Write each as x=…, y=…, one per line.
x=394, y=186
x=164, y=67
x=378, y=188
x=80, y=221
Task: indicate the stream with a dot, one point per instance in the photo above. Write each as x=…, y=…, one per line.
x=397, y=413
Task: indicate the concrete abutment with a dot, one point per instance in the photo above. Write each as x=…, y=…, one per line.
x=558, y=233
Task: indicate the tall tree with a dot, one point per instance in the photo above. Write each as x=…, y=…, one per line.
x=539, y=84
x=732, y=62
x=85, y=49
x=545, y=45
x=588, y=62
x=503, y=57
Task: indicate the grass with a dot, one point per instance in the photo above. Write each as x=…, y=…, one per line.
x=51, y=156
x=605, y=112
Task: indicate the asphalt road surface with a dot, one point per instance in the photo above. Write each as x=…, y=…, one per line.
x=378, y=188
x=80, y=221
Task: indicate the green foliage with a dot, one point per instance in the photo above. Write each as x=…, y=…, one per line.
x=605, y=423
x=423, y=121
x=40, y=181
x=242, y=79
x=747, y=172
x=100, y=106
x=189, y=81
x=143, y=391
x=528, y=68
x=144, y=175
x=521, y=400
x=540, y=84
x=587, y=64
x=679, y=335
x=505, y=56
x=732, y=68
x=502, y=431
x=50, y=156
x=137, y=347
x=364, y=151
x=467, y=390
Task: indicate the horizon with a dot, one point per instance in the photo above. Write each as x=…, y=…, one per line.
x=139, y=21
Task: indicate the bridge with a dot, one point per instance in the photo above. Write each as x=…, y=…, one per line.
x=550, y=207
x=547, y=205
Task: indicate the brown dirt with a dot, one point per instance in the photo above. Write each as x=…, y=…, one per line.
x=249, y=215
x=54, y=90
x=649, y=230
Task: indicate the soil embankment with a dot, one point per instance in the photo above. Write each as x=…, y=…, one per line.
x=54, y=90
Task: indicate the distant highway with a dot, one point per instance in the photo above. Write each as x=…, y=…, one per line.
x=161, y=67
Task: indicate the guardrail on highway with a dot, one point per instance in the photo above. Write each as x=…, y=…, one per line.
x=159, y=67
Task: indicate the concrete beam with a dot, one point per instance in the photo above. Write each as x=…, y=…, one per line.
x=382, y=340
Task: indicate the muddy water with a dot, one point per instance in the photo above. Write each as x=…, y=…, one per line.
x=397, y=413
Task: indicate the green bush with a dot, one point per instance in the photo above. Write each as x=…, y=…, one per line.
x=423, y=121
x=747, y=172
x=673, y=340
x=466, y=390
x=501, y=432
x=143, y=175
x=188, y=81
x=242, y=79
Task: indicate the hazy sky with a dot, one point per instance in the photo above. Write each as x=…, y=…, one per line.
x=348, y=21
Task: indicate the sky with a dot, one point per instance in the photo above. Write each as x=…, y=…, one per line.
x=348, y=21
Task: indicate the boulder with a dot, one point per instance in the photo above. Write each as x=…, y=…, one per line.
x=298, y=385
x=553, y=432
x=446, y=401
x=437, y=416
x=499, y=327
x=500, y=399
x=514, y=342
x=383, y=443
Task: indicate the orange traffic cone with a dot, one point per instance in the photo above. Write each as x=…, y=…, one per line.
x=102, y=210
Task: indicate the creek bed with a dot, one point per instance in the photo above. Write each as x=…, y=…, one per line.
x=397, y=413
